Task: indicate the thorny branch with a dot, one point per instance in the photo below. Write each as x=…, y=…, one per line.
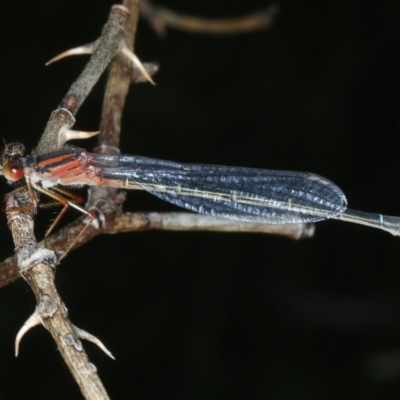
x=116, y=90
x=36, y=262
x=37, y=265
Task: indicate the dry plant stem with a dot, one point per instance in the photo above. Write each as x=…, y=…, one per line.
x=160, y=18
x=117, y=222
x=181, y=221
x=105, y=49
x=119, y=80
x=37, y=267
x=175, y=221
x=117, y=88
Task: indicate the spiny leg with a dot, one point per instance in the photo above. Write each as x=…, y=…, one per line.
x=65, y=203
x=72, y=196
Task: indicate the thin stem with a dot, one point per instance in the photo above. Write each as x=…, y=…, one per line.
x=160, y=18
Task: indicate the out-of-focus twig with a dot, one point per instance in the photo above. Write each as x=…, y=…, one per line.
x=160, y=18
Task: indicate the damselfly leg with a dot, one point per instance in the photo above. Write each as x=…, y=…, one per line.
x=65, y=199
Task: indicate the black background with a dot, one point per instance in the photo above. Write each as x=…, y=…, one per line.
x=224, y=316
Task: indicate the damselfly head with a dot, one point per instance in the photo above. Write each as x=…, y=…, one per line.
x=12, y=161
x=14, y=149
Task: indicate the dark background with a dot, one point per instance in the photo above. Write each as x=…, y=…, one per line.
x=224, y=316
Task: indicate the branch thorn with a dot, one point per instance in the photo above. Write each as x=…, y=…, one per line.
x=135, y=60
x=82, y=334
x=66, y=134
x=85, y=49
x=31, y=322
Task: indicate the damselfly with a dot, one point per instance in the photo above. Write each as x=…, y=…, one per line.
x=236, y=193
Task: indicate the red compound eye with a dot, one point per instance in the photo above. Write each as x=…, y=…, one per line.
x=13, y=171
